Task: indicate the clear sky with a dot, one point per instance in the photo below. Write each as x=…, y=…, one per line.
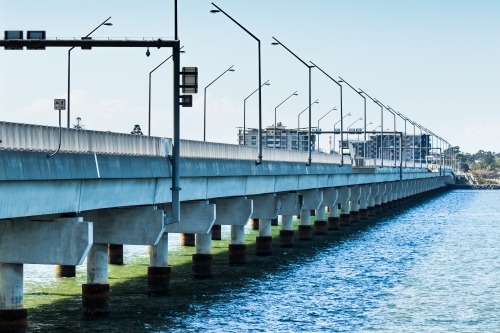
x=436, y=62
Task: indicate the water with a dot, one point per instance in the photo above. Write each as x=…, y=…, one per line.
x=432, y=268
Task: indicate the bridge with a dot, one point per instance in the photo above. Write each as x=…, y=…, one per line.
x=103, y=190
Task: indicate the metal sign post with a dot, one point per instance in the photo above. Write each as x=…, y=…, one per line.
x=59, y=104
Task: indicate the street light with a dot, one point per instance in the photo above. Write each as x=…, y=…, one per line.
x=294, y=94
x=230, y=69
x=149, y=108
x=310, y=104
x=360, y=118
x=301, y=112
x=395, y=145
x=381, y=118
x=106, y=23
x=341, y=114
x=341, y=119
x=259, y=157
x=364, y=114
x=244, y=108
x=405, y=119
x=318, y=131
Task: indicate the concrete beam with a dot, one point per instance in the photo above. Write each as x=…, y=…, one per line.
x=234, y=211
x=266, y=206
x=344, y=193
x=196, y=217
x=330, y=196
x=47, y=243
x=311, y=199
x=139, y=226
x=291, y=204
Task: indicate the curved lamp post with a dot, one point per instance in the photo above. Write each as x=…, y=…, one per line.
x=364, y=114
x=394, y=115
x=149, y=114
x=230, y=69
x=219, y=10
x=341, y=114
x=317, y=128
x=310, y=104
x=244, y=109
x=381, y=119
x=294, y=94
x=106, y=23
x=341, y=119
x=301, y=112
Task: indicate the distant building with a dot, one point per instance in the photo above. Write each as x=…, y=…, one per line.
x=414, y=147
x=287, y=139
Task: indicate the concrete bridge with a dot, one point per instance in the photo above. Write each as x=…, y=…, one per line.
x=104, y=190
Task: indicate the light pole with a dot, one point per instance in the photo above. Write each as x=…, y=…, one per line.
x=348, y=127
x=405, y=119
x=341, y=120
x=364, y=114
x=294, y=94
x=310, y=104
x=244, y=109
x=149, y=108
x=301, y=112
x=388, y=109
x=69, y=65
x=259, y=157
x=230, y=69
x=381, y=119
x=341, y=114
x=317, y=128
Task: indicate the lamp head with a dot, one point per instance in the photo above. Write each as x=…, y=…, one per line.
x=295, y=94
x=275, y=43
x=348, y=114
x=147, y=52
x=214, y=11
x=340, y=80
x=181, y=51
x=108, y=24
x=267, y=84
x=231, y=70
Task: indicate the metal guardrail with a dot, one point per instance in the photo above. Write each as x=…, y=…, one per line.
x=27, y=137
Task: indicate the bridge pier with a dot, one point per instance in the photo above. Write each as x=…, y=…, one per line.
x=159, y=273
x=264, y=242
x=371, y=199
x=287, y=234
x=291, y=204
x=379, y=198
x=320, y=225
x=96, y=292
x=305, y=228
x=385, y=197
x=344, y=193
x=330, y=196
x=363, y=202
x=13, y=317
x=237, y=248
x=203, y=259
x=311, y=201
x=354, y=203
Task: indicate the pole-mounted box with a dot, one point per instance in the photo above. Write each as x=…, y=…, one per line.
x=189, y=80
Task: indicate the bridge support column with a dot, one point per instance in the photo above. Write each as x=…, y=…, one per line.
x=371, y=199
x=203, y=259
x=115, y=254
x=312, y=200
x=305, y=228
x=334, y=219
x=13, y=317
x=320, y=222
x=379, y=198
x=344, y=193
x=237, y=248
x=187, y=240
x=264, y=242
x=385, y=197
x=286, y=233
x=63, y=271
x=216, y=232
x=95, y=293
x=159, y=273
x=353, y=199
x=291, y=204
x=363, y=202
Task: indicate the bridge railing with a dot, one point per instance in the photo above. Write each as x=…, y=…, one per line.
x=40, y=138
x=191, y=148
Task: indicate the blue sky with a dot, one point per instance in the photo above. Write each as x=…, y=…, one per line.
x=434, y=61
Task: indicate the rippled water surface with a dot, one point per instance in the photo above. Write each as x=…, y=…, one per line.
x=434, y=267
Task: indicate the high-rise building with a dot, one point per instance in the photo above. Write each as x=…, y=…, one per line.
x=288, y=139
